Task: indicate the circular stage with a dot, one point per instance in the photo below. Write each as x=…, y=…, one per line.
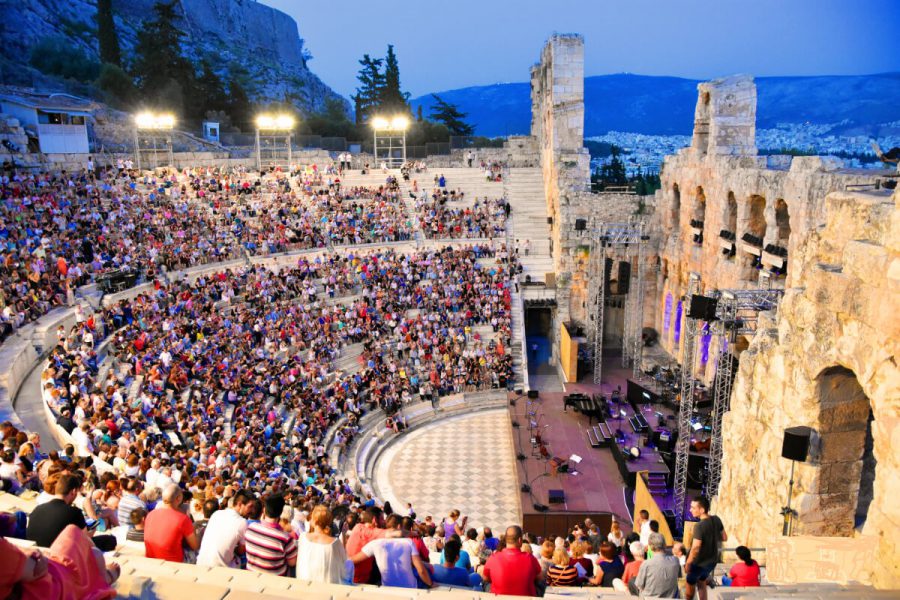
x=465, y=462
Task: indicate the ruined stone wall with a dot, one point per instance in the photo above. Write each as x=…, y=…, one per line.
x=557, y=95
x=720, y=185
x=829, y=358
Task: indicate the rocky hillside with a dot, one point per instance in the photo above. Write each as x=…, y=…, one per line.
x=232, y=34
x=856, y=105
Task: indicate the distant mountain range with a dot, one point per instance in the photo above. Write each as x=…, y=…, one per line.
x=856, y=105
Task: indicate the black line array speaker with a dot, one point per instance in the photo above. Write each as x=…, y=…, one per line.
x=580, y=224
x=703, y=308
x=556, y=496
x=796, y=443
x=624, y=277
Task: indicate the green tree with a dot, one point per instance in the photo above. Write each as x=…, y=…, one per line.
x=107, y=38
x=117, y=85
x=211, y=90
x=238, y=106
x=56, y=56
x=164, y=75
x=393, y=99
x=450, y=116
x=369, y=93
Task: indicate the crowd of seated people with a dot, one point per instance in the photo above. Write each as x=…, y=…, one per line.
x=330, y=536
x=485, y=218
x=62, y=230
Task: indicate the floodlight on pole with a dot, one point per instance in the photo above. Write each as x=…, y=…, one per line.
x=275, y=132
x=391, y=132
x=153, y=139
x=149, y=120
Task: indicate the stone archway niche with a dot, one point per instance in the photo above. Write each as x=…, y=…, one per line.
x=842, y=456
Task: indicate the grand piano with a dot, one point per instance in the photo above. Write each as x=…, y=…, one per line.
x=590, y=406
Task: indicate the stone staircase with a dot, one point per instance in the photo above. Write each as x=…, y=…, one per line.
x=524, y=188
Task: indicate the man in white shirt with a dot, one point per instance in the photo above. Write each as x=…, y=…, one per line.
x=82, y=440
x=223, y=539
x=396, y=558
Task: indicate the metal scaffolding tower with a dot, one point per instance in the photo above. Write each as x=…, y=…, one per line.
x=608, y=239
x=686, y=405
x=737, y=312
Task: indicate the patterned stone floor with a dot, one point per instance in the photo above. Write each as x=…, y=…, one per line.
x=464, y=462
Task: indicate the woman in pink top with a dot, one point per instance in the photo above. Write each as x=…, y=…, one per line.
x=746, y=572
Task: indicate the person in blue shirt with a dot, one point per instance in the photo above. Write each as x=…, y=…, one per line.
x=448, y=573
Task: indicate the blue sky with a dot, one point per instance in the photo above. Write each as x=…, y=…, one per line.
x=460, y=43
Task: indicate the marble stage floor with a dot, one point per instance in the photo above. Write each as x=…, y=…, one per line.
x=466, y=462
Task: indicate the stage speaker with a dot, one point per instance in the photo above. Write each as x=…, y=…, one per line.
x=556, y=496
x=624, y=277
x=541, y=507
x=796, y=443
x=549, y=220
x=580, y=224
x=533, y=394
x=702, y=308
x=607, y=271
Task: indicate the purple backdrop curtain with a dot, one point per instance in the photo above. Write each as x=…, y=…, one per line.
x=667, y=318
x=705, y=337
x=678, y=322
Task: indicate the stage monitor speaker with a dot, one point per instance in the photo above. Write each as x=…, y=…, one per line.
x=703, y=308
x=533, y=394
x=796, y=443
x=624, y=276
x=580, y=224
x=541, y=507
x=556, y=496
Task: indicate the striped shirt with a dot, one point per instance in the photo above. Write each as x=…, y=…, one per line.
x=128, y=503
x=269, y=549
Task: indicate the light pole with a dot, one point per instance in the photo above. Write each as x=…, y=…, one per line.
x=273, y=130
x=391, y=133
x=152, y=129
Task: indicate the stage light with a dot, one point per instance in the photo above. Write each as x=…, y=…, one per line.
x=149, y=120
x=635, y=452
x=398, y=123
x=380, y=123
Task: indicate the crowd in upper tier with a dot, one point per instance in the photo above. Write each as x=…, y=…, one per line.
x=62, y=230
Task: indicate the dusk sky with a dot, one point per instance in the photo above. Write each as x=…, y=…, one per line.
x=461, y=43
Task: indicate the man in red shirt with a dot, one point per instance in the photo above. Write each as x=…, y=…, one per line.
x=365, y=531
x=167, y=526
x=511, y=571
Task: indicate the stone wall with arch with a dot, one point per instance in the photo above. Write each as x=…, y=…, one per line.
x=829, y=362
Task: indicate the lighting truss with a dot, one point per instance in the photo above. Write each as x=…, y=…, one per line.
x=686, y=406
x=608, y=239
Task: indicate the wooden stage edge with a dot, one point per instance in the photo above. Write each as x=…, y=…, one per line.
x=593, y=488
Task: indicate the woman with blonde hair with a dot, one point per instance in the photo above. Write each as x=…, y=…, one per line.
x=616, y=537
x=561, y=573
x=320, y=556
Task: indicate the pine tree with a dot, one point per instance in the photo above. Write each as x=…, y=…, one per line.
x=393, y=100
x=165, y=76
x=450, y=116
x=211, y=90
x=107, y=38
x=370, y=91
x=238, y=106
